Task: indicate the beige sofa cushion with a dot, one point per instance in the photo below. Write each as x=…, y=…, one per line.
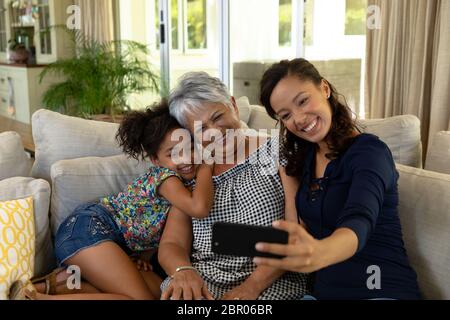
x=14, y=161
x=244, y=109
x=59, y=137
x=438, y=158
x=402, y=135
x=78, y=181
x=259, y=119
x=425, y=216
x=20, y=188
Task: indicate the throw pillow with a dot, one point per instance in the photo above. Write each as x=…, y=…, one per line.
x=17, y=243
x=14, y=162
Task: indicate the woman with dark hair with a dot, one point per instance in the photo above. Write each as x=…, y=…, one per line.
x=350, y=234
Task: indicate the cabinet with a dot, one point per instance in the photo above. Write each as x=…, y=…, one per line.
x=21, y=92
x=32, y=22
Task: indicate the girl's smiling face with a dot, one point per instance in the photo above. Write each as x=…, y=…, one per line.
x=303, y=108
x=164, y=158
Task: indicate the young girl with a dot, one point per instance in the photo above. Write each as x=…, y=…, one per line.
x=99, y=237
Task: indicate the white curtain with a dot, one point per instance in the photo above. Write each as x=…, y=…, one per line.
x=97, y=19
x=408, y=63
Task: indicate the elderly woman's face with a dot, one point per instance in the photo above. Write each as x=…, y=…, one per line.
x=214, y=119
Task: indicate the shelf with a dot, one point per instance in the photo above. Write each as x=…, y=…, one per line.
x=19, y=25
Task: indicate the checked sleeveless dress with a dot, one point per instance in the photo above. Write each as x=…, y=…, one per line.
x=250, y=193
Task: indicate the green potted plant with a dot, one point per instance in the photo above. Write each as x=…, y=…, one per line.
x=99, y=77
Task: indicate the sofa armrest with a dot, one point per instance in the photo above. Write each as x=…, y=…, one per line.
x=425, y=218
x=21, y=188
x=439, y=153
x=78, y=181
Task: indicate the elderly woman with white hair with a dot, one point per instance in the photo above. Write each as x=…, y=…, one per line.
x=245, y=193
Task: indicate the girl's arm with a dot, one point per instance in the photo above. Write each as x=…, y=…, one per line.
x=290, y=186
x=196, y=204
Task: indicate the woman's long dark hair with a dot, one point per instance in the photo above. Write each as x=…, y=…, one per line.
x=295, y=149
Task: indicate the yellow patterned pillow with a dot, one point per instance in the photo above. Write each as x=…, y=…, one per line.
x=17, y=241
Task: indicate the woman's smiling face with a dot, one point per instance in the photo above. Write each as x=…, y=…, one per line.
x=303, y=108
x=216, y=120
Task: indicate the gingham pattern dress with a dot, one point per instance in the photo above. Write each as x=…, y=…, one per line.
x=250, y=193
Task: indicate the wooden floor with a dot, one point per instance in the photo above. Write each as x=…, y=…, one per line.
x=23, y=129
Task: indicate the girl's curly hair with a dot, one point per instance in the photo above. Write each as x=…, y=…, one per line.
x=343, y=125
x=141, y=133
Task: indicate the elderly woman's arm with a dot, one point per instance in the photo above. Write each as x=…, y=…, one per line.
x=261, y=279
x=174, y=252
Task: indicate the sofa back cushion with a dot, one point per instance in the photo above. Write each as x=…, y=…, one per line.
x=401, y=134
x=259, y=119
x=438, y=158
x=59, y=137
x=425, y=217
x=78, y=181
x=14, y=162
x=39, y=190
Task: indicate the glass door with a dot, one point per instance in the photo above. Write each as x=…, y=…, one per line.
x=335, y=42
x=258, y=40
x=193, y=37
x=139, y=22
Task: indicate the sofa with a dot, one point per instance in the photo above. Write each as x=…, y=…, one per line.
x=16, y=183
x=82, y=162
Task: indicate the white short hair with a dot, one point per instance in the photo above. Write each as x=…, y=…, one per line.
x=193, y=91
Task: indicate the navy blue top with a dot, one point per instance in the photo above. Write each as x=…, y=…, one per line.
x=359, y=192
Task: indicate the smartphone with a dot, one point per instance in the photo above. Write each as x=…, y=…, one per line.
x=240, y=239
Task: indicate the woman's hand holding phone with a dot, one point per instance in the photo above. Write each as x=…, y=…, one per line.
x=303, y=253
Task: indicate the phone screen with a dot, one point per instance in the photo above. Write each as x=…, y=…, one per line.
x=240, y=240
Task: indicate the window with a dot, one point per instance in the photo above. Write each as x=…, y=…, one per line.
x=308, y=22
x=188, y=20
x=285, y=23
x=355, y=17
x=174, y=22
x=196, y=26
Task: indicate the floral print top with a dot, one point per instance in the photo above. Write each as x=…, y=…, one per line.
x=139, y=211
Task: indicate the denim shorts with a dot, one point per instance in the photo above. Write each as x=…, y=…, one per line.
x=90, y=225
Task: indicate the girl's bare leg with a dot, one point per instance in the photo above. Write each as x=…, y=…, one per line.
x=153, y=282
x=108, y=269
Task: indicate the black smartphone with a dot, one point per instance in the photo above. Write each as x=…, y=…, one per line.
x=240, y=239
